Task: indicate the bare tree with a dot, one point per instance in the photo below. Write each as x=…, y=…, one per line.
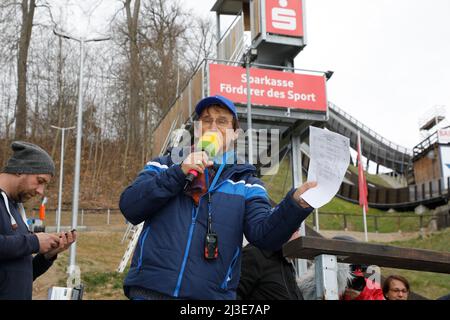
x=200, y=42
x=134, y=105
x=28, y=8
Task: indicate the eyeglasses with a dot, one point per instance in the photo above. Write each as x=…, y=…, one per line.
x=220, y=122
x=404, y=291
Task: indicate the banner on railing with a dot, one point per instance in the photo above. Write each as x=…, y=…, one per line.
x=269, y=87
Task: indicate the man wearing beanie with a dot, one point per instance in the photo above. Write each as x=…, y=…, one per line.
x=25, y=175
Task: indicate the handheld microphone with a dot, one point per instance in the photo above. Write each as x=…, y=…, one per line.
x=209, y=143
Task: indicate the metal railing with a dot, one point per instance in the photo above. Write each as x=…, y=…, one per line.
x=87, y=217
x=425, y=144
x=182, y=107
x=231, y=44
x=353, y=222
x=372, y=133
x=432, y=192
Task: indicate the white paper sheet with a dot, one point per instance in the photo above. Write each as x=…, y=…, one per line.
x=329, y=160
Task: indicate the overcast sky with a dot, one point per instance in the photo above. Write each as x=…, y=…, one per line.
x=391, y=58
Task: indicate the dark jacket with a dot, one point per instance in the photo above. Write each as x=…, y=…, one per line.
x=169, y=256
x=267, y=275
x=18, y=268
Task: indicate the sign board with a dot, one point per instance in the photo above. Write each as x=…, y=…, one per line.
x=284, y=17
x=269, y=87
x=443, y=136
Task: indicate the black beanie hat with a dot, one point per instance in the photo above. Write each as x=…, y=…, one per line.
x=29, y=158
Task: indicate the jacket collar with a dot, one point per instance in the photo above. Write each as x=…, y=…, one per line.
x=232, y=166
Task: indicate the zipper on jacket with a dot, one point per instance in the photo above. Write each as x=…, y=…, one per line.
x=141, y=244
x=176, y=292
x=227, y=279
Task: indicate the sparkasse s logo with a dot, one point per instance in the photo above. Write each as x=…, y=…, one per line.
x=284, y=17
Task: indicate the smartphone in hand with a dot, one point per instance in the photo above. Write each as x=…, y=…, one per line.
x=71, y=231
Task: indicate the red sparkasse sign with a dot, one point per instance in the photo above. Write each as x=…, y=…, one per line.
x=269, y=87
x=284, y=17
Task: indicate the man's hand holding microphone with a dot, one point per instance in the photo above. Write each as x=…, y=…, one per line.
x=196, y=161
x=195, y=164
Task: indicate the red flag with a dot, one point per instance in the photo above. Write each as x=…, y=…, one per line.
x=362, y=185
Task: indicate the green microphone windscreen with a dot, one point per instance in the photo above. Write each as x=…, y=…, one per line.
x=209, y=143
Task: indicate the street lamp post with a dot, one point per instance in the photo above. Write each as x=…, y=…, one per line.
x=76, y=184
x=249, y=111
x=249, y=57
x=61, y=175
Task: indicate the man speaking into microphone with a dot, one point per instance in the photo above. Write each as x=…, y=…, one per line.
x=197, y=212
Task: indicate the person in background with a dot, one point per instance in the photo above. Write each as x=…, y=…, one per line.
x=351, y=280
x=396, y=287
x=267, y=275
x=361, y=286
x=25, y=175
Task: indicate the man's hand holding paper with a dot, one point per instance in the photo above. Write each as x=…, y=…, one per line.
x=329, y=160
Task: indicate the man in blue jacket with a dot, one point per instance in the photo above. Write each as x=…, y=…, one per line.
x=190, y=246
x=25, y=175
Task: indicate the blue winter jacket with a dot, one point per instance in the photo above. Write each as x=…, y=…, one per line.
x=169, y=256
